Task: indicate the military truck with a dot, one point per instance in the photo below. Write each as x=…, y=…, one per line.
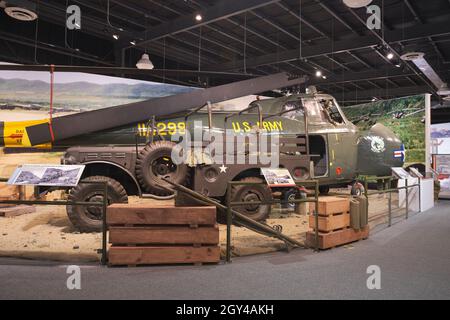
x=130, y=147
x=316, y=141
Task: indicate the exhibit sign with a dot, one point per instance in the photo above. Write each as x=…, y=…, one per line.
x=440, y=138
x=47, y=175
x=278, y=177
x=441, y=163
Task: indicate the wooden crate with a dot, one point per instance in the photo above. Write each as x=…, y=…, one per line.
x=164, y=235
x=124, y=214
x=331, y=206
x=337, y=238
x=134, y=256
x=9, y=192
x=331, y=223
x=147, y=235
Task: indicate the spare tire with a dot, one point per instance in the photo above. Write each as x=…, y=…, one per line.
x=154, y=162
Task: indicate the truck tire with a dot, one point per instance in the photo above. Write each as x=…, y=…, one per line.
x=241, y=193
x=89, y=219
x=153, y=163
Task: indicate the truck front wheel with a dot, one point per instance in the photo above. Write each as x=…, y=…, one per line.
x=89, y=218
x=253, y=193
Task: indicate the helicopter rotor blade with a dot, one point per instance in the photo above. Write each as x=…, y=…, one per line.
x=87, y=122
x=123, y=71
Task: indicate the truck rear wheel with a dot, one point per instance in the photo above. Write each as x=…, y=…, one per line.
x=249, y=193
x=89, y=218
x=154, y=162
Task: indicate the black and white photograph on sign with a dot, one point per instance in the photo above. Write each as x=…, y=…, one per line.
x=47, y=175
x=278, y=177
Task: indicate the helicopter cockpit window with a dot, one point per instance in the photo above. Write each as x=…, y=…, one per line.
x=296, y=112
x=332, y=111
x=315, y=113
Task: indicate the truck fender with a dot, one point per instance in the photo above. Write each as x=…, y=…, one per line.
x=116, y=166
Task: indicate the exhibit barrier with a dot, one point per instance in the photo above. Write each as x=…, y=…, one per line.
x=230, y=204
x=390, y=191
x=103, y=205
x=386, y=183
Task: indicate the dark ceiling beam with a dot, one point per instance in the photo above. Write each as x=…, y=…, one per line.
x=355, y=43
x=274, y=24
x=89, y=4
x=413, y=11
x=419, y=19
x=385, y=41
x=373, y=83
x=380, y=93
x=362, y=76
x=50, y=48
x=302, y=19
x=307, y=52
x=343, y=66
x=222, y=10
x=335, y=16
x=360, y=60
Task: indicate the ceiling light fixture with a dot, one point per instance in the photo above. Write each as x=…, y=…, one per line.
x=133, y=42
x=390, y=56
x=144, y=63
x=318, y=73
x=357, y=3
x=198, y=17
x=116, y=36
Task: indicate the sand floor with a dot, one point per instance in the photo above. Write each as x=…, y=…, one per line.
x=48, y=233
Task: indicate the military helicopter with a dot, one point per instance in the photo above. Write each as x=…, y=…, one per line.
x=315, y=141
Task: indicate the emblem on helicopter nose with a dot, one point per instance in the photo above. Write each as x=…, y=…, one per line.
x=377, y=144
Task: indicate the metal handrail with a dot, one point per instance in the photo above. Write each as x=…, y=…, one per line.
x=254, y=105
x=231, y=204
x=103, y=205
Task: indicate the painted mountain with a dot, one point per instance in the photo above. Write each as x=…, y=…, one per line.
x=79, y=96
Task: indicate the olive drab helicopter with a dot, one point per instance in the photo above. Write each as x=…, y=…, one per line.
x=315, y=141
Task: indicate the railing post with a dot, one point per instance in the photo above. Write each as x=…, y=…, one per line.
x=105, y=227
x=316, y=217
x=229, y=223
x=407, y=198
x=390, y=209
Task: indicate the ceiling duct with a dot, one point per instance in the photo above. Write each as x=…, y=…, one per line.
x=418, y=58
x=20, y=10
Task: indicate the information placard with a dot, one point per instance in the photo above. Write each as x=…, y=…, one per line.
x=47, y=175
x=276, y=177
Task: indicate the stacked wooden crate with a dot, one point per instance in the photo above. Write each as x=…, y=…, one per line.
x=149, y=235
x=334, y=224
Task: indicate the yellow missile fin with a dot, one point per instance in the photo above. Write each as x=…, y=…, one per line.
x=14, y=135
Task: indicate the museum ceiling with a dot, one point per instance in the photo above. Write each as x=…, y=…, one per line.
x=325, y=40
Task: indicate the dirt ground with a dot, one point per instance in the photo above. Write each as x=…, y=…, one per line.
x=48, y=234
